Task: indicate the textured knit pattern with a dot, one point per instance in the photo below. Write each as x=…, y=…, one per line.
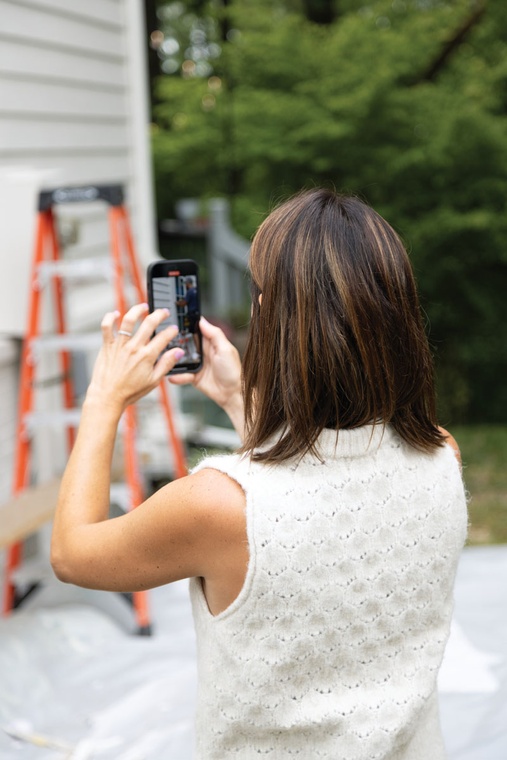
x=332, y=648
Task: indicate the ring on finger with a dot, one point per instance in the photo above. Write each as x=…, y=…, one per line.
x=125, y=332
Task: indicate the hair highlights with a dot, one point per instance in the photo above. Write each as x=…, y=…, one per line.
x=338, y=341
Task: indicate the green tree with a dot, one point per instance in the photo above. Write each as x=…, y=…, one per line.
x=402, y=102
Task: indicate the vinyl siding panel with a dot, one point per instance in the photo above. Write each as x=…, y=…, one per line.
x=96, y=11
x=72, y=25
x=8, y=410
x=63, y=136
x=77, y=168
x=33, y=96
x=67, y=117
x=66, y=107
x=48, y=61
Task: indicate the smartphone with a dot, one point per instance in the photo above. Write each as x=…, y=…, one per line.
x=174, y=285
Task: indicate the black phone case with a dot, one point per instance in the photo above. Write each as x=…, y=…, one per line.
x=185, y=267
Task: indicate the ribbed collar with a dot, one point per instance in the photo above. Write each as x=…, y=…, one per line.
x=354, y=443
x=357, y=442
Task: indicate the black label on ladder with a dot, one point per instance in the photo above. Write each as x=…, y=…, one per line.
x=112, y=194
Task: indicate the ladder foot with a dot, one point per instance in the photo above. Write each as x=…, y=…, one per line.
x=19, y=597
x=145, y=630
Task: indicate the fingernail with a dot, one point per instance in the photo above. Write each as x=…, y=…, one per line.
x=178, y=354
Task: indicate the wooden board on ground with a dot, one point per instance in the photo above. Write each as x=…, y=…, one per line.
x=26, y=513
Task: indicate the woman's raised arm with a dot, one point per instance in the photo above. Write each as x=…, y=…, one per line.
x=183, y=528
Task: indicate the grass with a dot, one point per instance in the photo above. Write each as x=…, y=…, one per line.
x=484, y=453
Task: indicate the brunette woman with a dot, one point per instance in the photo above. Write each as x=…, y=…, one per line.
x=323, y=554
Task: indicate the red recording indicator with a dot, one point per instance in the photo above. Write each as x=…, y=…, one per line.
x=173, y=274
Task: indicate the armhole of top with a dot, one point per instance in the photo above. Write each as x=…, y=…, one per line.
x=225, y=464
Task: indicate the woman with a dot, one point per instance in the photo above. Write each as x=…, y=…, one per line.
x=323, y=554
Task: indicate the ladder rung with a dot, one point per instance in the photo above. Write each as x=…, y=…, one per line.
x=59, y=418
x=67, y=342
x=75, y=269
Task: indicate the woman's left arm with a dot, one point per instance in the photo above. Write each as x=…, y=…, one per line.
x=165, y=538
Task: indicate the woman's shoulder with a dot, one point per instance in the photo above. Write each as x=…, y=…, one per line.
x=451, y=441
x=223, y=462
x=217, y=469
x=252, y=475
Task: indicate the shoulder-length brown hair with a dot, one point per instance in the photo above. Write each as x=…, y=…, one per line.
x=338, y=340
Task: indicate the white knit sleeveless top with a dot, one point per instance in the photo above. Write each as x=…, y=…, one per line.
x=331, y=650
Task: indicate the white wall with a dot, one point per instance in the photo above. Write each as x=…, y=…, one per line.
x=73, y=110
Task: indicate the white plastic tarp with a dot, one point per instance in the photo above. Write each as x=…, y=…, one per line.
x=75, y=684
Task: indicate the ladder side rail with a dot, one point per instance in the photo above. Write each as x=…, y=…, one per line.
x=180, y=459
x=65, y=360
x=114, y=229
x=180, y=464
x=132, y=261
x=131, y=456
x=25, y=403
x=130, y=453
x=142, y=612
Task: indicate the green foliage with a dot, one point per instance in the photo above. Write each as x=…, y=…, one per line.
x=484, y=453
x=388, y=102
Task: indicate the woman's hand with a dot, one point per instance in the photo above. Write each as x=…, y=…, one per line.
x=130, y=364
x=220, y=376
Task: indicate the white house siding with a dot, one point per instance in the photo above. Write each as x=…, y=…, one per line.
x=73, y=110
x=8, y=400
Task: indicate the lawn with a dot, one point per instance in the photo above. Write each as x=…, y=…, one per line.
x=484, y=452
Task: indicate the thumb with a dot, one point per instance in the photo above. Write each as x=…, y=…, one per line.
x=185, y=378
x=214, y=334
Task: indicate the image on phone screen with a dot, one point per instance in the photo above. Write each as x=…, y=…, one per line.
x=179, y=293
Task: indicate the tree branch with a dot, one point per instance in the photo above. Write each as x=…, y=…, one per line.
x=452, y=44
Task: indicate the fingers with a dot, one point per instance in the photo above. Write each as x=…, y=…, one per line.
x=143, y=335
x=127, y=325
x=144, y=338
x=162, y=339
x=157, y=319
x=148, y=322
x=107, y=326
x=132, y=317
x=166, y=362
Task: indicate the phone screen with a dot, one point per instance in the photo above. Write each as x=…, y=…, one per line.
x=174, y=285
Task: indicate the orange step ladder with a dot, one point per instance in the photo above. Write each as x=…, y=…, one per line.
x=49, y=269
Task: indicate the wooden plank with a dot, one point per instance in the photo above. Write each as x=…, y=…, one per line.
x=26, y=513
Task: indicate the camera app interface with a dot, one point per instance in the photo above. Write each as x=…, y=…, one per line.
x=178, y=293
